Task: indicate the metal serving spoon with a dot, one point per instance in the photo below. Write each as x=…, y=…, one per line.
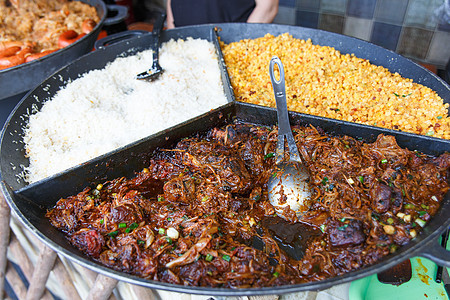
x=155, y=71
x=289, y=184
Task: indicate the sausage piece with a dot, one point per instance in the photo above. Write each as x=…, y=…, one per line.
x=68, y=37
x=10, y=51
x=88, y=25
x=34, y=56
x=16, y=59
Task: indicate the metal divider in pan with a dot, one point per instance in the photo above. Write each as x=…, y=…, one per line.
x=228, y=89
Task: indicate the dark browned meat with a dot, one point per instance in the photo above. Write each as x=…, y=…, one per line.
x=192, y=216
x=89, y=241
x=380, y=195
x=345, y=233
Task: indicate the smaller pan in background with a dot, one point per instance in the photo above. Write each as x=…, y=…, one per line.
x=20, y=79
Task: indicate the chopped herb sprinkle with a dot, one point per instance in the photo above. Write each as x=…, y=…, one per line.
x=209, y=257
x=361, y=178
x=113, y=233
x=269, y=155
x=322, y=227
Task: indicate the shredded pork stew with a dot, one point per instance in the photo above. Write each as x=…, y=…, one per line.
x=199, y=214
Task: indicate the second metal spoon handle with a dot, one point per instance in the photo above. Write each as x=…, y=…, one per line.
x=284, y=127
x=157, y=28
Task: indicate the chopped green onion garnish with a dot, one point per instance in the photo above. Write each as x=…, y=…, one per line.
x=342, y=220
x=160, y=198
x=421, y=213
x=439, y=117
x=383, y=161
x=122, y=225
x=133, y=226
x=420, y=222
x=430, y=132
x=322, y=227
x=127, y=230
x=226, y=257
x=342, y=228
x=257, y=197
x=161, y=231
x=269, y=155
x=113, y=233
x=102, y=221
x=209, y=257
x=141, y=242
x=424, y=206
x=205, y=198
x=169, y=240
x=324, y=180
x=393, y=248
x=276, y=274
x=390, y=221
x=361, y=178
x=409, y=206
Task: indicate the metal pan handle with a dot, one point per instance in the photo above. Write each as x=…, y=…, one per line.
x=118, y=37
x=121, y=14
x=438, y=254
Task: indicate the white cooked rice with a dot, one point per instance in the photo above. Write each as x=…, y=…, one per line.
x=106, y=109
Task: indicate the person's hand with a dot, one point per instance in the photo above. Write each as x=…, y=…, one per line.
x=264, y=12
x=169, y=19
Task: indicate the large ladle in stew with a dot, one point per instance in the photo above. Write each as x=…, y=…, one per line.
x=289, y=185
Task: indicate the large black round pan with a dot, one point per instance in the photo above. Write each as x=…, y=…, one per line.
x=24, y=77
x=30, y=202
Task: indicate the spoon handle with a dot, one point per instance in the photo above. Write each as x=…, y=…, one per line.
x=284, y=127
x=157, y=28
